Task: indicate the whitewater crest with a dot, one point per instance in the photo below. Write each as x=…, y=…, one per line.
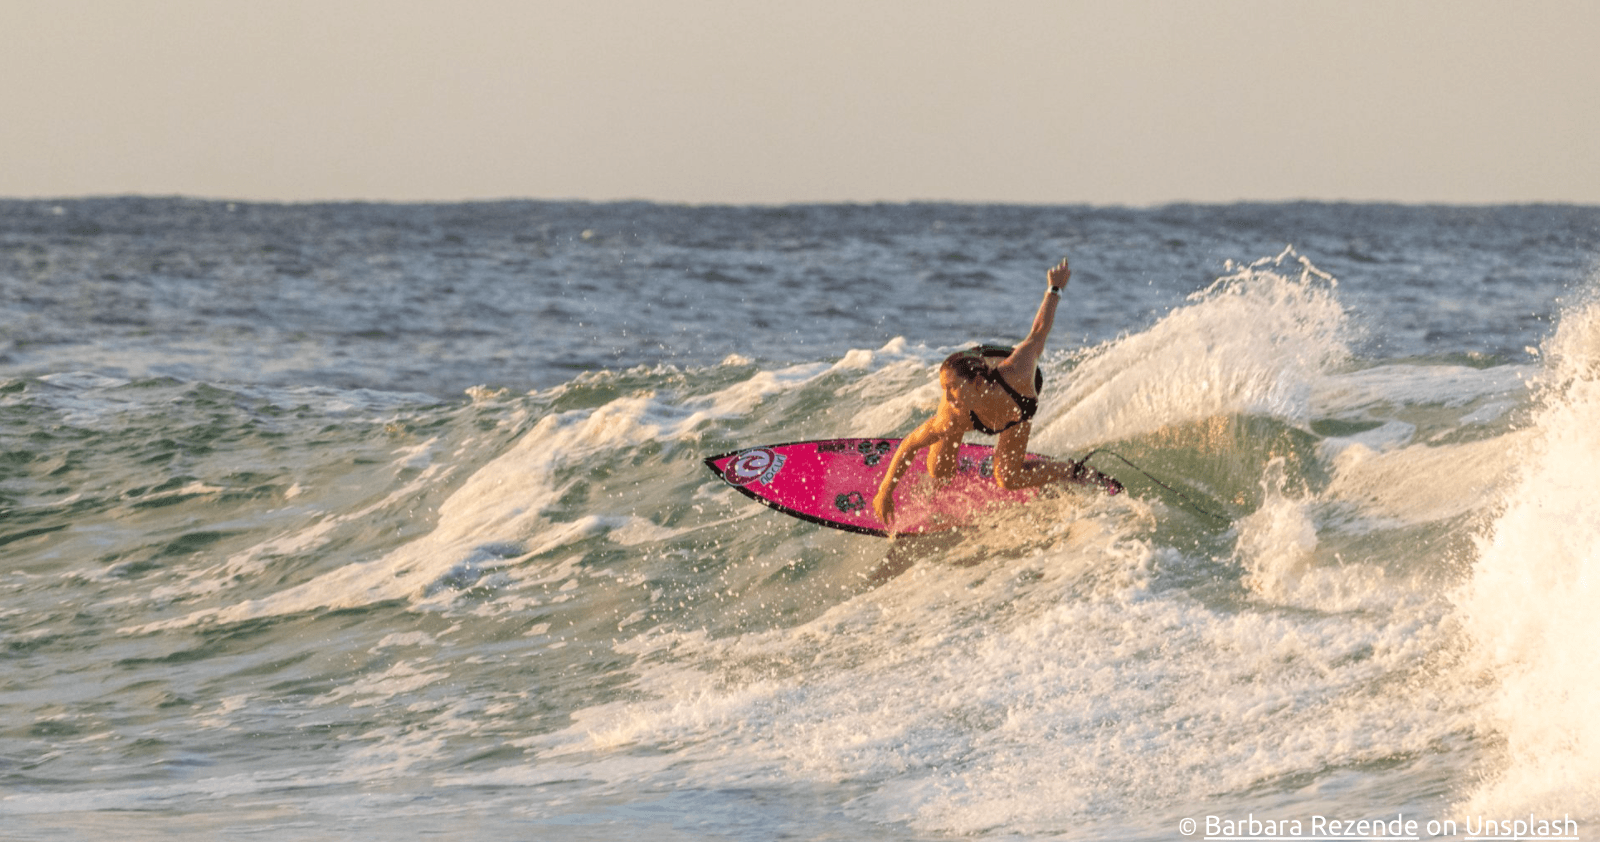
x=1530, y=608
x=1196, y=362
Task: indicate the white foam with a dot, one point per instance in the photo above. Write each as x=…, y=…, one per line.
x=1255, y=343
x=1417, y=385
x=1530, y=608
x=631, y=531
x=1278, y=548
x=83, y=380
x=497, y=513
x=1025, y=694
x=402, y=677
x=1420, y=483
x=218, y=577
x=402, y=639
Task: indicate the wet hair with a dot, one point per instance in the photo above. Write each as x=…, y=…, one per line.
x=965, y=364
x=969, y=364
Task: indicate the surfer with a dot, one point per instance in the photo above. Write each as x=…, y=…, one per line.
x=995, y=391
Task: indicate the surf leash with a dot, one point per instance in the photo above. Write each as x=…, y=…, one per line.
x=1179, y=494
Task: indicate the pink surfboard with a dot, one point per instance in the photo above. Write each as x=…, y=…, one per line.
x=832, y=483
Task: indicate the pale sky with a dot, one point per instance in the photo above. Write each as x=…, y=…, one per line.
x=1125, y=102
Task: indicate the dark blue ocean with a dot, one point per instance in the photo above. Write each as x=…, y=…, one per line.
x=389, y=521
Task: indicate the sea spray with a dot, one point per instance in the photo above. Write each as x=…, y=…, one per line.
x=1256, y=341
x=1532, y=608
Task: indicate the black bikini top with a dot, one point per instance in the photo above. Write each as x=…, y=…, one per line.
x=1028, y=406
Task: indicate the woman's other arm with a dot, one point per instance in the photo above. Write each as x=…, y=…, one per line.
x=931, y=431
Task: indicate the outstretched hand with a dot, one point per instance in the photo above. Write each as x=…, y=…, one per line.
x=883, y=506
x=1060, y=274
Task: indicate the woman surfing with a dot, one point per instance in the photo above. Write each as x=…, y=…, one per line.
x=995, y=391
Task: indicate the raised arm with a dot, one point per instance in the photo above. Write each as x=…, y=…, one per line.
x=1018, y=368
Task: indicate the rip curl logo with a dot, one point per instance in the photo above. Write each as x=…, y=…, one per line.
x=757, y=464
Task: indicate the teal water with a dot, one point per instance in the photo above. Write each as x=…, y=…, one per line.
x=283, y=566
